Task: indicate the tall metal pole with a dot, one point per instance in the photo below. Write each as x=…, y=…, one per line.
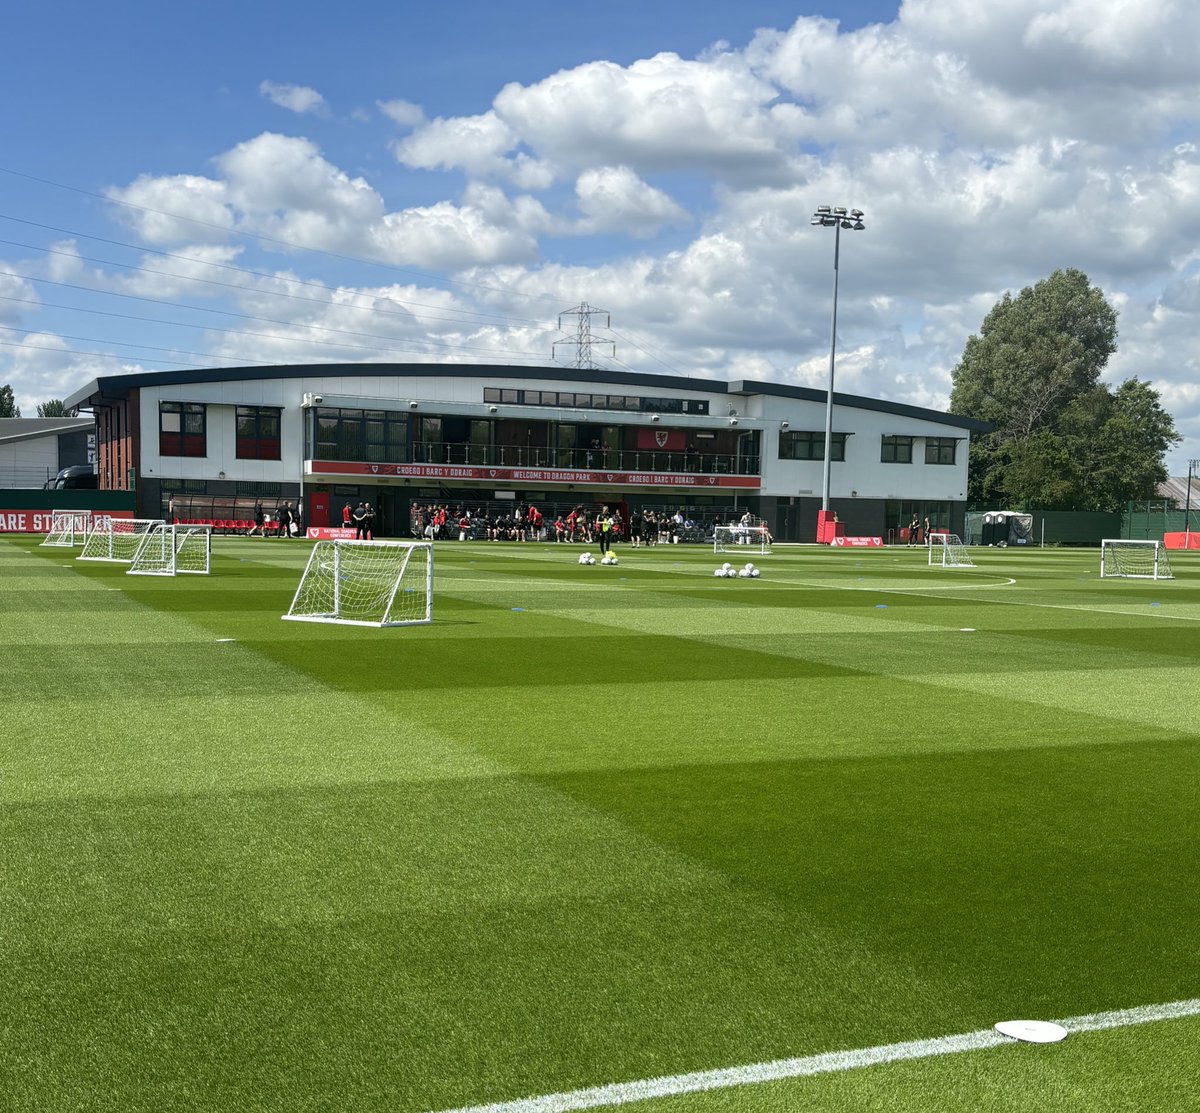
x=838, y=218
x=828, y=463
x=1187, y=508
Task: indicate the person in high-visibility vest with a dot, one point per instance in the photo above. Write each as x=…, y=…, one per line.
x=604, y=530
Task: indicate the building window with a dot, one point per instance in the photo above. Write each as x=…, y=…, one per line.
x=896, y=450
x=182, y=429
x=361, y=435
x=258, y=433
x=800, y=444
x=940, y=450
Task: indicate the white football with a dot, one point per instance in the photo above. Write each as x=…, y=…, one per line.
x=754, y=573
x=749, y=567
x=727, y=566
x=718, y=571
x=613, y=560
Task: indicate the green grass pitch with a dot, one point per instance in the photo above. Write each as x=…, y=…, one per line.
x=596, y=825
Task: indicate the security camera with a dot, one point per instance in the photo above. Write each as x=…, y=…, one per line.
x=655, y=417
x=318, y=399
x=412, y=405
x=491, y=409
x=784, y=424
x=733, y=421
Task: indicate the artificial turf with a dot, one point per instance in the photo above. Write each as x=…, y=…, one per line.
x=593, y=825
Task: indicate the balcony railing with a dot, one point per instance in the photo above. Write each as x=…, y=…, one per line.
x=585, y=459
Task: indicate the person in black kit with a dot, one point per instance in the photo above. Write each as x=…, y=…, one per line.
x=283, y=520
x=359, y=517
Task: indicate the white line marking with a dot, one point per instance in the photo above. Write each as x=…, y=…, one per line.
x=622, y=1093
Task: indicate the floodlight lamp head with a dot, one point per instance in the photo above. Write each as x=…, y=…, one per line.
x=857, y=214
x=847, y=224
x=858, y=226
x=822, y=208
x=839, y=211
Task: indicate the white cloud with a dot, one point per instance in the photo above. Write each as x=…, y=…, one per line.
x=615, y=199
x=402, y=112
x=295, y=98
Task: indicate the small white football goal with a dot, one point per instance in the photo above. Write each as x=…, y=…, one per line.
x=117, y=539
x=1138, y=560
x=946, y=550
x=366, y=583
x=752, y=536
x=68, y=528
x=169, y=550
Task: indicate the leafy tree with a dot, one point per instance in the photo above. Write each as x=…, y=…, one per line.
x=1063, y=439
x=8, y=404
x=53, y=408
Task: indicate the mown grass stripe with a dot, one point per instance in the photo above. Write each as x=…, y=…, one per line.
x=828, y=1062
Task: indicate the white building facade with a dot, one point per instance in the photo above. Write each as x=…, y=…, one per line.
x=407, y=435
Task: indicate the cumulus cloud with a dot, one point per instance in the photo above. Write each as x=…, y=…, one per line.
x=615, y=199
x=295, y=98
x=402, y=112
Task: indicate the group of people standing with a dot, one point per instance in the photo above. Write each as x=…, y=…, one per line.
x=918, y=531
x=361, y=519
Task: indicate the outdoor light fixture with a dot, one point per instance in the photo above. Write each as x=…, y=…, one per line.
x=837, y=218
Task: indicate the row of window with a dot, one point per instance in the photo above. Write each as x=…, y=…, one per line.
x=801, y=444
x=183, y=431
x=629, y=403
x=383, y=434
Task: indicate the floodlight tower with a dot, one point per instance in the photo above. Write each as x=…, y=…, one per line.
x=1187, y=506
x=828, y=216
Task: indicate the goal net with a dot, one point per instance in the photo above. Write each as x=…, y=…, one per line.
x=1143, y=560
x=366, y=583
x=168, y=550
x=753, y=536
x=68, y=528
x=117, y=539
x=947, y=551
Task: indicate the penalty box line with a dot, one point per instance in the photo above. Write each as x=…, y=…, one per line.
x=623, y=1093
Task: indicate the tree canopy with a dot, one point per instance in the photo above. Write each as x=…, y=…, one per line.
x=1063, y=440
x=8, y=404
x=53, y=408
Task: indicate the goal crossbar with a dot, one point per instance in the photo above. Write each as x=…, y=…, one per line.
x=117, y=540
x=171, y=549
x=1135, y=560
x=742, y=536
x=366, y=583
x=946, y=550
x=67, y=528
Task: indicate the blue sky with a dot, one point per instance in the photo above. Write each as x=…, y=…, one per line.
x=391, y=181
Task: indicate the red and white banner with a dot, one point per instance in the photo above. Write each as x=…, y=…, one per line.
x=858, y=542
x=330, y=533
x=40, y=521
x=531, y=475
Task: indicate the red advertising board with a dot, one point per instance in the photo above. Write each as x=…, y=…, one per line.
x=516, y=476
x=39, y=521
x=858, y=542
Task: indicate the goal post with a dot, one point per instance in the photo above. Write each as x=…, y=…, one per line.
x=742, y=536
x=946, y=550
x=169, y=550
x=366, y=583
x=117, y=539
x=68, y=528
x=1136, y=560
